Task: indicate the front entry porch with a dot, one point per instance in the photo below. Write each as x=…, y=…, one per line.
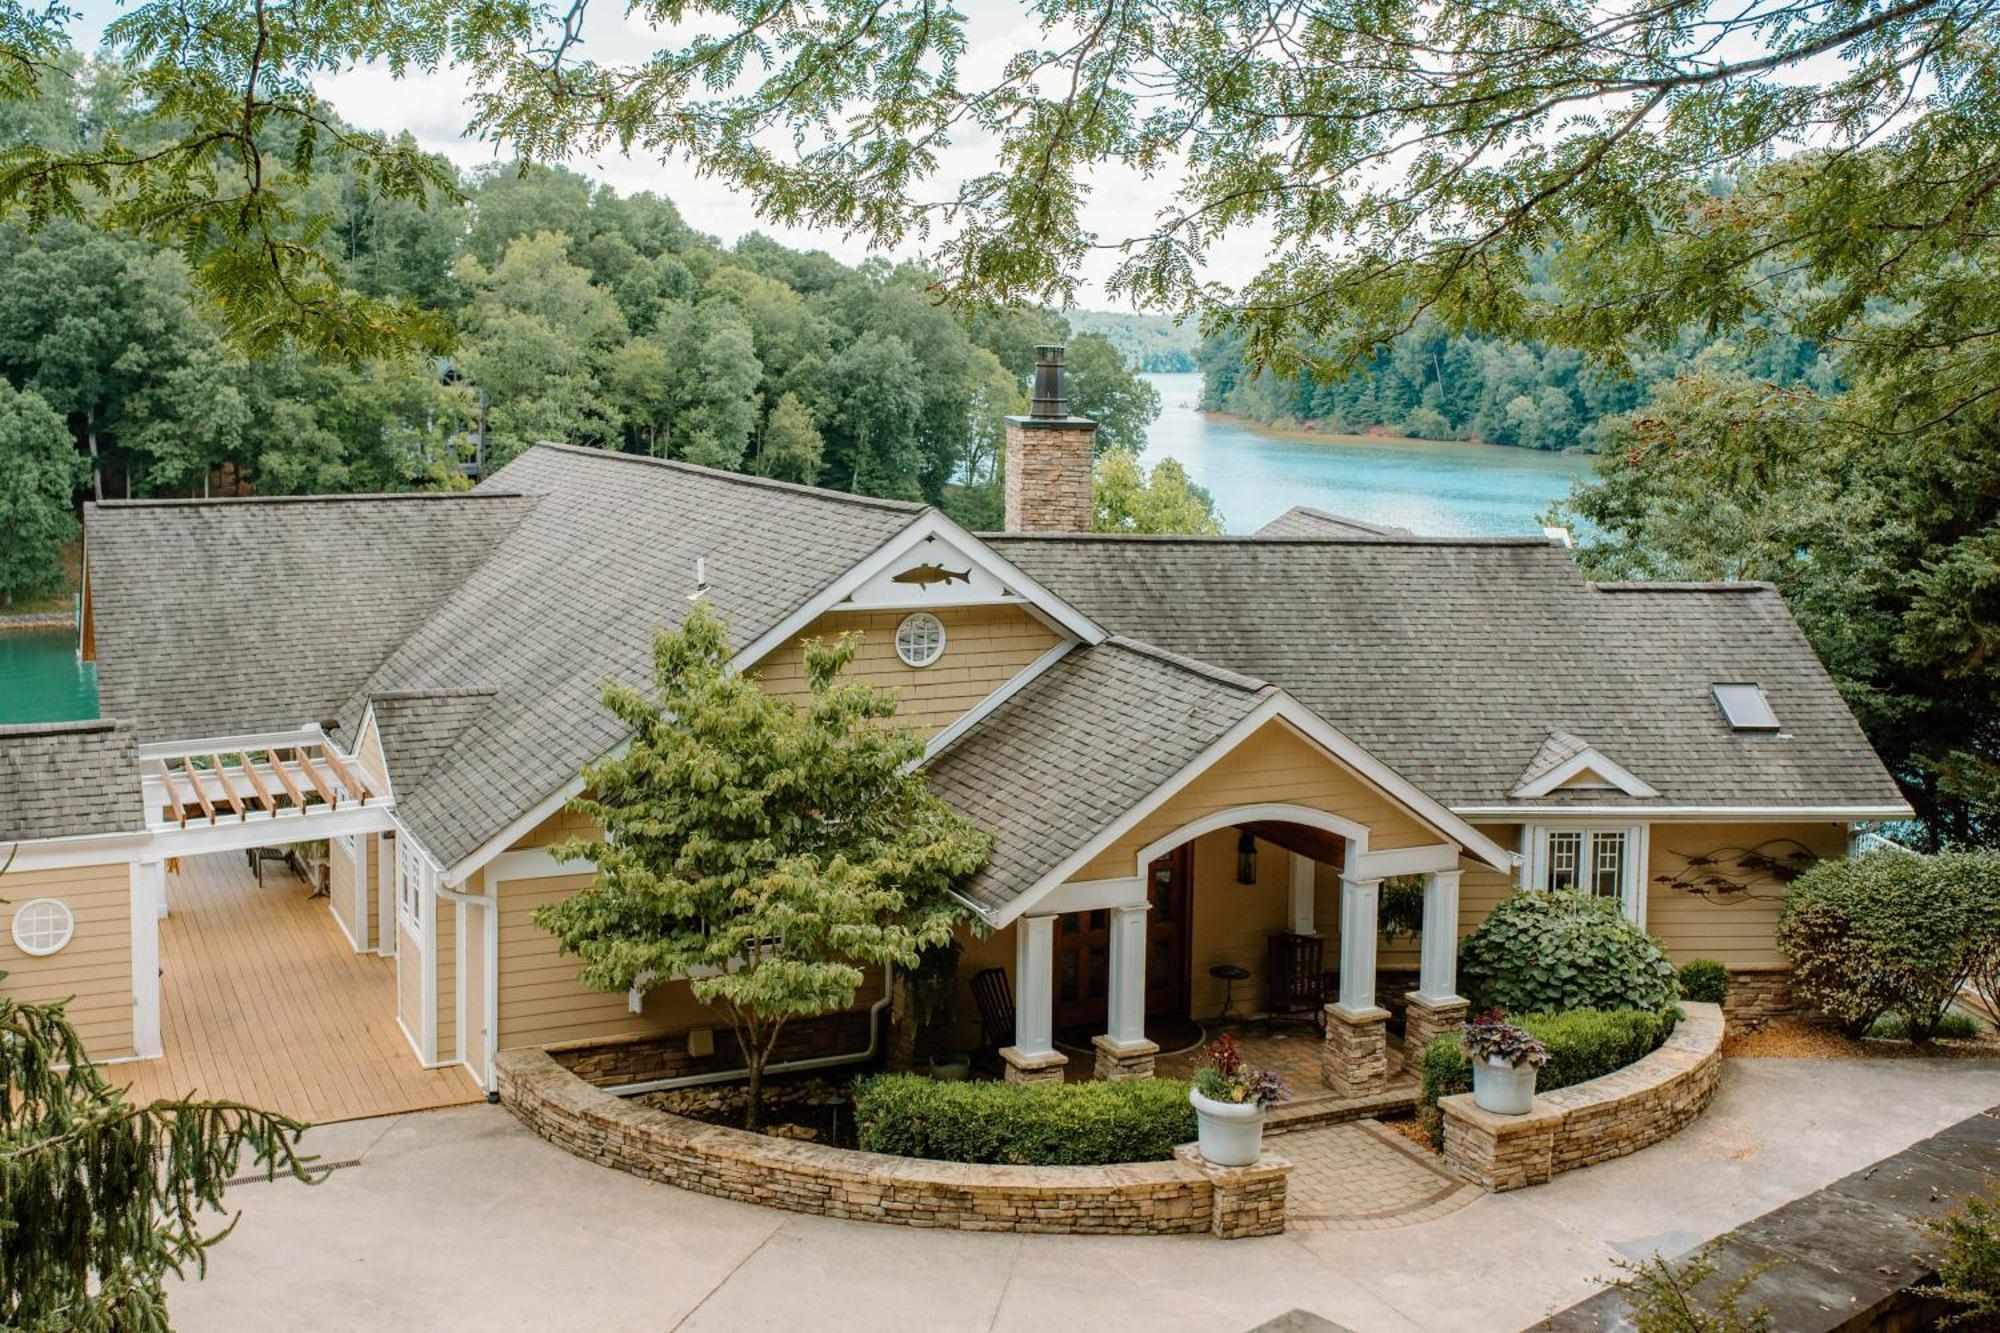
x=1253, y=883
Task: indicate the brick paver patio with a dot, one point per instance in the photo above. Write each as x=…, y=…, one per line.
x=1360, y=1176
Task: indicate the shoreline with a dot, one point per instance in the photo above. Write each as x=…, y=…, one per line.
x=28, y=621
x=1346, y=437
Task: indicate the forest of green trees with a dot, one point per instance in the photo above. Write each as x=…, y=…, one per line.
x=1434, y=385
x=573, y=313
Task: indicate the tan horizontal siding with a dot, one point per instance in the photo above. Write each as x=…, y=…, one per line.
x=1738, y=930
x=1276, y=764
x=447, y=980
x=94, y=970
x=985, y=647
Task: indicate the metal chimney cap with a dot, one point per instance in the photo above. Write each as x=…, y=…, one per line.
x=1050, y=401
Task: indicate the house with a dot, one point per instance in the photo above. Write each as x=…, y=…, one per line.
x=1184, y=747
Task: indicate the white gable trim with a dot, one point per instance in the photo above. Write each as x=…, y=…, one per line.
x=928, y=525
x=1721, y=813
x=361, y=733
x=1593, y=761
x=1279, y=707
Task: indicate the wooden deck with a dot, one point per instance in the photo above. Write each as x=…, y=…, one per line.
x=263, y=1000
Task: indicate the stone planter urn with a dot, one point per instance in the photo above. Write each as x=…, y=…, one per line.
x=1502, y=1087
x=951, y=1068
x=1231, y=1133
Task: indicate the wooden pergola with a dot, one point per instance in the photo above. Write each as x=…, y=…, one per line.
x=245, y=779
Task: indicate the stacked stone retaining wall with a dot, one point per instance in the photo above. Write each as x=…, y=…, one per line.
x=1182, y=1196
x=1595, y=1121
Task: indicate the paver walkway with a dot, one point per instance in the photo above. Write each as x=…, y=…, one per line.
x=462, y=1219
x=1361, y=1176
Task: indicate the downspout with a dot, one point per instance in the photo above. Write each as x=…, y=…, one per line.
x=790, y=1066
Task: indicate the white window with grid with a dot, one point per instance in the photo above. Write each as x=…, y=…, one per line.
x=410, y=870
x=1604, y=862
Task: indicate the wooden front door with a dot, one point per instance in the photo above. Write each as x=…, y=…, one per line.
x=1083, y=951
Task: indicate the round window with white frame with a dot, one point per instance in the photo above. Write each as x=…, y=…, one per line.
x=42, y=926
x=920, y=639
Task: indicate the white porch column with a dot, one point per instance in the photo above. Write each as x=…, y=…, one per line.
x=1123, y=1051
x=1128, y=975
x=1033, y=1057
x=1360, y=900
x=1438, y=979
x=1435, y=1007
x=149, y=896
x=1300, y=904
x=1354, y=1062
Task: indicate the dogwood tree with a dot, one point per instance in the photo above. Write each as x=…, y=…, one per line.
x=765, y=850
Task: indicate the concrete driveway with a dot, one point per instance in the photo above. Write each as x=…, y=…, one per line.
x=461, y=1219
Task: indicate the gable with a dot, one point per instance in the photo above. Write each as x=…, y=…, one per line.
x=984, y=648
x=1272, y=765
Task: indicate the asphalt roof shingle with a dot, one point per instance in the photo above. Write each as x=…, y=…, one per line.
x=571, y=600
x=69, y=780
x=1304, y=521
x=1451, y=660
x=1094, y=735
x=219, y=617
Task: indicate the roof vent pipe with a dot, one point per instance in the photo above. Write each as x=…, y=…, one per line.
x=1051, y=401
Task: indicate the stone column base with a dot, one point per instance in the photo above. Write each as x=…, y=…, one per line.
x=1118, y=1061
x=1040, y=1067
x=1355, y=1059
x=1248, y=1200
x=1426, y=1020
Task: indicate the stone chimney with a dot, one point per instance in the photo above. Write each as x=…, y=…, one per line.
x=1049, y=453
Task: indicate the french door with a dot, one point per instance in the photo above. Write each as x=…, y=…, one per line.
x=1083, y=951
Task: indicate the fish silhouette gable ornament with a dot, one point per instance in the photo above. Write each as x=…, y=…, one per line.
x=923, y=576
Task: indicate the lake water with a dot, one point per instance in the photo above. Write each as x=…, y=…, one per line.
x=1442, y=490
x=41, y=679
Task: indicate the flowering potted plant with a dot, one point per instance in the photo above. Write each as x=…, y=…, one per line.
x=1230, y=1099
x=1504, y=1061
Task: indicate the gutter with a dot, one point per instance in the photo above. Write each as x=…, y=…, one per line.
x=789, y=1066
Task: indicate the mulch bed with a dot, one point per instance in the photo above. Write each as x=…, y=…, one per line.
x=1796, y=1039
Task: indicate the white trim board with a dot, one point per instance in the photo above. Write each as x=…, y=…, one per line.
x=1720, y=813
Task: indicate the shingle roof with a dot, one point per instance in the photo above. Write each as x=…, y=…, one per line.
x=1090, y=738
x=214, y=617
x=1304, y=521
x=69, y=780
x=1452, y=659
x=417, y=729
x=1557, y=750
x=572, y=598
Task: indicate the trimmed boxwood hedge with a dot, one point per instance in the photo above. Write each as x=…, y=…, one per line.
x=1008, y=1124
x=1583, y=1044
x=1705, y=980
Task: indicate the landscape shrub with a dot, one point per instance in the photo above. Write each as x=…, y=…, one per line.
x=1891, y=931
x=1582, y=1044
x=1969, y=1269
x=1542, y=952
x=1704, y=980
x=1042, y=1124
x=1953, y=1026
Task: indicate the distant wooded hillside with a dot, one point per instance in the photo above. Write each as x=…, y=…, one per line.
x=1151, y=343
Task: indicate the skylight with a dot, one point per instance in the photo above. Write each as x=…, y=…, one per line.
x=1746, y=707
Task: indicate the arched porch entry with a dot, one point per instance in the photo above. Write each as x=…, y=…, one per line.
x=1124, y=912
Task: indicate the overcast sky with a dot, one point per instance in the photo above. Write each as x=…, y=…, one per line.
x=432, y=107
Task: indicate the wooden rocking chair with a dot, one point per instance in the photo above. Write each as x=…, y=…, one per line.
x=995, y=999
x=1295, y=967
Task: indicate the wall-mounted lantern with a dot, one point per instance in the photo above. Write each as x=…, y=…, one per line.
x=1246, y=859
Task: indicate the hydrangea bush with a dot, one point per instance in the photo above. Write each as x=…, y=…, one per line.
x=1546, y=952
